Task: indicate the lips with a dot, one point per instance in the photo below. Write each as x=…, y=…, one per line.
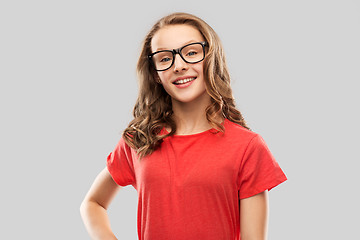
x=183, y=80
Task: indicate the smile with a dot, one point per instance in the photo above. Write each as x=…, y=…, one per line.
x=183, y=81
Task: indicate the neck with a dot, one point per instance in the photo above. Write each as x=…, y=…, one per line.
x=190, y=118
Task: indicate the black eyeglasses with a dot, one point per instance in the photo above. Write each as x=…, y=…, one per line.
x=190, y=53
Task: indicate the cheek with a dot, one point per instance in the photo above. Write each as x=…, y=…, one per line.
x=200, y=68
x=163, y=76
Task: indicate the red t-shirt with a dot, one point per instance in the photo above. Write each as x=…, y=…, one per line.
x=190, y=187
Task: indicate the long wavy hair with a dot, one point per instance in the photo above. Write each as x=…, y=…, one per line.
x=153, y=107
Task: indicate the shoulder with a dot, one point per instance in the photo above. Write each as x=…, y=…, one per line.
x=122, y=146
x=236, y=131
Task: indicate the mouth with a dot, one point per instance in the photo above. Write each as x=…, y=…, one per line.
x=184, y=80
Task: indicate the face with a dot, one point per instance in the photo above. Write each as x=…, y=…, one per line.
x=175, y=79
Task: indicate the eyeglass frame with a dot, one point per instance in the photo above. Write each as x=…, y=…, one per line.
x=177, y=51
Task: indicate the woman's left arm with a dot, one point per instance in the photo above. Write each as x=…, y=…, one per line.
x=254, y=217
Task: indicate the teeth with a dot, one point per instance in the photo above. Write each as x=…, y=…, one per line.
x=182, y=81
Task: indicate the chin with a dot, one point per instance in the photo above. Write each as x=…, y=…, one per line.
x=195, y=98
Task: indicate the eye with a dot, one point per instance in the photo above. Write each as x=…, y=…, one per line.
x=165, y=59
x=191, y=53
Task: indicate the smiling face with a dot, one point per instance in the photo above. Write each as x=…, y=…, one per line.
x=184, y=82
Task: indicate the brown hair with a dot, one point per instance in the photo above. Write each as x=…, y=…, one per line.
x=153, y=109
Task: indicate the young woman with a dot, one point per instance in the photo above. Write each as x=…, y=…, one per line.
x=199, y=171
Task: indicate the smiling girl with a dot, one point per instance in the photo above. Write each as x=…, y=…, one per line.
x=199, y=170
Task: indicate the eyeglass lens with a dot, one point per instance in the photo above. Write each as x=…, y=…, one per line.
x=192, y=53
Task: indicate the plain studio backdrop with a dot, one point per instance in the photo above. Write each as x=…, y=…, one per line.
x=68, y=87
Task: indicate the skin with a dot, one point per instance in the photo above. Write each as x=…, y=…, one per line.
x=189, y=103
x=254, y=217
x=94, y=207
x=189, y=106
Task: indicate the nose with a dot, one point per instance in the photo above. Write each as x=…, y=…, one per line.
x=179, y=63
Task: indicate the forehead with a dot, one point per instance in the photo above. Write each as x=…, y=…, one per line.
x=175, y=36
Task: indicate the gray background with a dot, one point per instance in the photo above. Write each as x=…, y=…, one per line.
x=68, y=87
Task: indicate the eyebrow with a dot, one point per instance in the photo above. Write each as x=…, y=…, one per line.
x=188, y=42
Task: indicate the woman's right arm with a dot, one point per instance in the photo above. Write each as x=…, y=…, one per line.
x=93, y=209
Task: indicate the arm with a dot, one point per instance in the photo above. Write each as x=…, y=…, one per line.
x=93, y=209
x=254, y=217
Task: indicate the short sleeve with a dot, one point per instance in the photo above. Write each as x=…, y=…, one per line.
x=259, y=170
x=120, y=165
